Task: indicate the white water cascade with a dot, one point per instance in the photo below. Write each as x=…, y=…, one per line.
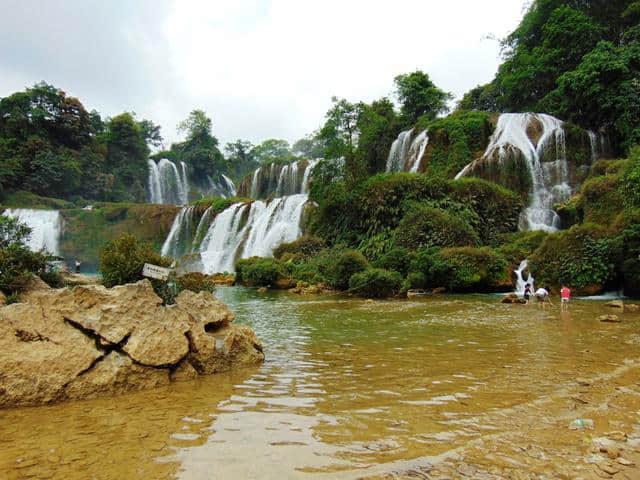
x=278, y=180
x=242, y=230
x=521, y=282
x=406, y=152
x=46, y=226
x=167, y=183
x=549, y=179
x=248, y=230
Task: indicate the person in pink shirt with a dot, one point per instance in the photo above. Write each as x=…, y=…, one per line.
x=565, y=294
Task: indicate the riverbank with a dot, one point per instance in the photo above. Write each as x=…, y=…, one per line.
x=364, y=389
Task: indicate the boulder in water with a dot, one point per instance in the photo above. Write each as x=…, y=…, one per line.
x=618, y=304
x=86, y=341
x=513, y=298
x=609, y=318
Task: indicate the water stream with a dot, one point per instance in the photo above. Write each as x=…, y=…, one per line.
x=356, y=389
x=46, y=227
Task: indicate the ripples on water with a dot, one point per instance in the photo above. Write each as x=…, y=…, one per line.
x=348, y=388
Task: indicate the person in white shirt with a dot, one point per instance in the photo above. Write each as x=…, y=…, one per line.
x=542, y=295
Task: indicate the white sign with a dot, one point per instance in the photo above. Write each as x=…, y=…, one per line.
x=154, y=271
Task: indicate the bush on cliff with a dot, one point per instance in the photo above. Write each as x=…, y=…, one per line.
x=375, y=283
x=582, y=256
x=196, y=282
x=460, y=269
x=397, y=259
x=425, y=226
x=304, y=247
x=347, y=264
x=258, y=271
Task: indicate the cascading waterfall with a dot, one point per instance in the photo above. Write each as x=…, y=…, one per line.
x=278, y=180
x=248, y=230
x=243, y=230
x=180, y=235
x=167, y=184
x=46, y=227
x=549, y=179
x=406, y=152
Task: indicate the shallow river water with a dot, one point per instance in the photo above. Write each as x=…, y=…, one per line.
x=442, y=387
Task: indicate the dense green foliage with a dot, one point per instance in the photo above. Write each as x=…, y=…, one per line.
x=419, y=97
x=122, y=260
x=17, y=263
x=576, y=59
x=50, y=145
x=375, y=283
x=348, y=263
x=258, y=272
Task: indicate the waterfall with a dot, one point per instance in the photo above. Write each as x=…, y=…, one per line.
x=46, y=226
x=406, y=152
x=521, y=282
x=231, y=187
x=546, y=161
x=167, y=184
x=277, y=180
x=181, y=234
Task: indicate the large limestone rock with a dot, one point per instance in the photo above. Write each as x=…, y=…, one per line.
x=90, y=340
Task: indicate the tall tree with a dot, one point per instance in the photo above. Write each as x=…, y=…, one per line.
x=200, y=149
x=419, y=96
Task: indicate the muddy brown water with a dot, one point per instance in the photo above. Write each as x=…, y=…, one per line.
x=442, y=387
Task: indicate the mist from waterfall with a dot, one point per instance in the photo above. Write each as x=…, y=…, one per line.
x=168, y=184
x=407, y=151
x=46, y=227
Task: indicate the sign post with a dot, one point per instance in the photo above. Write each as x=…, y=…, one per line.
x=154, y=271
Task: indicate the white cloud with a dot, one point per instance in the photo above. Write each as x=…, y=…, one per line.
x=261, y=69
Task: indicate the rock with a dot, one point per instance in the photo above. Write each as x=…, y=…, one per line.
x=608, y=468
x=3, y=299
x=86, y=341
x=513, y=298
x=609, y=318
x=616, y=304
x=263, y=290
x=612, y=452
x=416, y=293
x=625, y=462
x=438, y=290
x=631, y=308
x=284, y=283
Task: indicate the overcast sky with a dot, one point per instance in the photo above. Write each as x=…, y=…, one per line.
x=260, y=68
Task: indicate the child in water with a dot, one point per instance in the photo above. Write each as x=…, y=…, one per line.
x=565, y=294
x=527, y=293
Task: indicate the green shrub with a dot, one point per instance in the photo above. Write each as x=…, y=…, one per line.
x=398, y=259
x=602, y=199
x=472, y=269
x=425, y=227
x=348, y=263
x=304, y=247
x=416, y=280
x=258, y=271
x=18, y=263
x=196, y=282
x=498, y=208
x=631, y=179
x=122, y=260
x=581, y=256
x=375, y=283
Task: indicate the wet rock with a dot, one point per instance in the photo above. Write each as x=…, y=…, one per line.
x=609, y=318
x=183, y=372
x=625, y=462
x=284, y=283
x=263, y=290
x=89, y=340
x=608, y=468
x=632, y=308
x=619, y=304
x=417, y=293
x=513, y=298
x=438, y=290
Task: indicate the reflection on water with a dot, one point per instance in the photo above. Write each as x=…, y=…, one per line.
x=349, y=389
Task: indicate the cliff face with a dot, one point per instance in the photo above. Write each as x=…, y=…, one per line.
x=89, y=341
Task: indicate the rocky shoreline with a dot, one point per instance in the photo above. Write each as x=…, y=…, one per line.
x=87, y=341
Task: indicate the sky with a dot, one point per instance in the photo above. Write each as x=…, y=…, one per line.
x=259, y=68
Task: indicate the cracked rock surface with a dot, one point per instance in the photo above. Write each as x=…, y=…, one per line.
x=86, y=341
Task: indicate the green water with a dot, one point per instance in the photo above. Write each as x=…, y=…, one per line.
x=349, y=389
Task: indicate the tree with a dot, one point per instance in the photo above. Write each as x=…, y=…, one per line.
x=419, y=96
x=272, y=150
x=378, y=125
x=309, y=147
x=240, y=158
x=151, y=133
x=200, y=150
x=340, y=136
x=127, y=155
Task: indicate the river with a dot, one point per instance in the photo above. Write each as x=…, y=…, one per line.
x=441, y=387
